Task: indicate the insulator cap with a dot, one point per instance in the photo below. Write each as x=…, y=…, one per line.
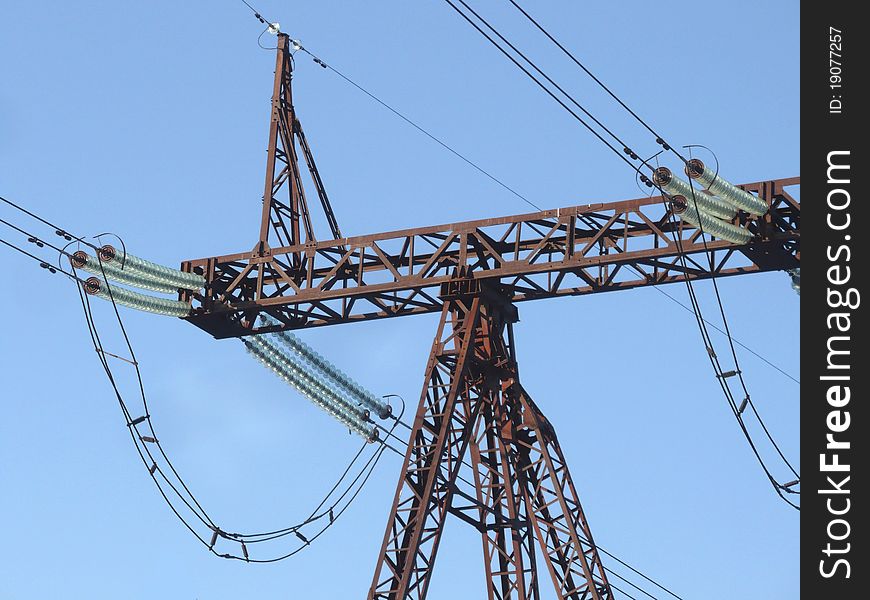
x=108, y=253
x=694, y=168
x=662, y=176
x=92, y=286
x=679, y=204
x=78, y=259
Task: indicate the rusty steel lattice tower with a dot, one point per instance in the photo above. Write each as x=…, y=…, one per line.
x=517, y=492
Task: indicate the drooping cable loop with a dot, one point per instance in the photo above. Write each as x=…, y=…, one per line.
x=707, y=225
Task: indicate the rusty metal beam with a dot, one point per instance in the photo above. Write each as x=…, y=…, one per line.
x=576, y=250
x=522, y=493
x=289, y=220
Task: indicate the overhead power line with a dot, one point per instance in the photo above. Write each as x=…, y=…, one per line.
x=417, y=126
x=721, y=375
x=180, y=489
x=659, y=139
x=501, y=183
x=541, y=85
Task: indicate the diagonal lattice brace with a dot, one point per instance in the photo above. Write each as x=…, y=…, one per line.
x=439, y=438
x=521, y=491
x=290, y=219
x=557, y=516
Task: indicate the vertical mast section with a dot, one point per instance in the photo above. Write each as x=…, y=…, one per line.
x=290, y=219
x=519, y=494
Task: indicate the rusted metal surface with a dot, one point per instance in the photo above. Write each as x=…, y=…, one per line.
x=290, y=220
x=563, y=252
x=519, y=493
x=576, y=250
x=480, y=449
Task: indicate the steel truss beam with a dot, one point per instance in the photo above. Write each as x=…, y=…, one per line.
x=521, y=489
x=569, y=251
x=517, y=491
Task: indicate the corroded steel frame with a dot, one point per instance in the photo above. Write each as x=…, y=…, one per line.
x=522, y=492
x=562, y=252
x=480, y=449
x=289, y=220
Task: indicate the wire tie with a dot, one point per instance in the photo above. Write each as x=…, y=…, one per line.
x=728, y=374
x=245, y=552
x=791, y=483
x=302, y=537
x=148, y=438
x=743, y=405
x=711, y=352
x=214, y=537
x=51, y=269
x=152, y=468
x=137, y=420
x=331, y=516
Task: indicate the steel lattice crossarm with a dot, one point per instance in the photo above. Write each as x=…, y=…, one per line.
x=519, y=493
x=562, y=252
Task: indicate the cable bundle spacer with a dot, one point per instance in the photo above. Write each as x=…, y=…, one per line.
x=137, y=420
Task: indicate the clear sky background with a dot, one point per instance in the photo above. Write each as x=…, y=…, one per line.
x=150, y=120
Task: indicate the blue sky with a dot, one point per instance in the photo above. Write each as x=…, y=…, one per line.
x=150, y=121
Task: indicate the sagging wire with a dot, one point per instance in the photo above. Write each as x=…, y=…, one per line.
x=335, y=509
x=650, y=182
x=142, y=442
x=722, y=375
x=167, y=479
